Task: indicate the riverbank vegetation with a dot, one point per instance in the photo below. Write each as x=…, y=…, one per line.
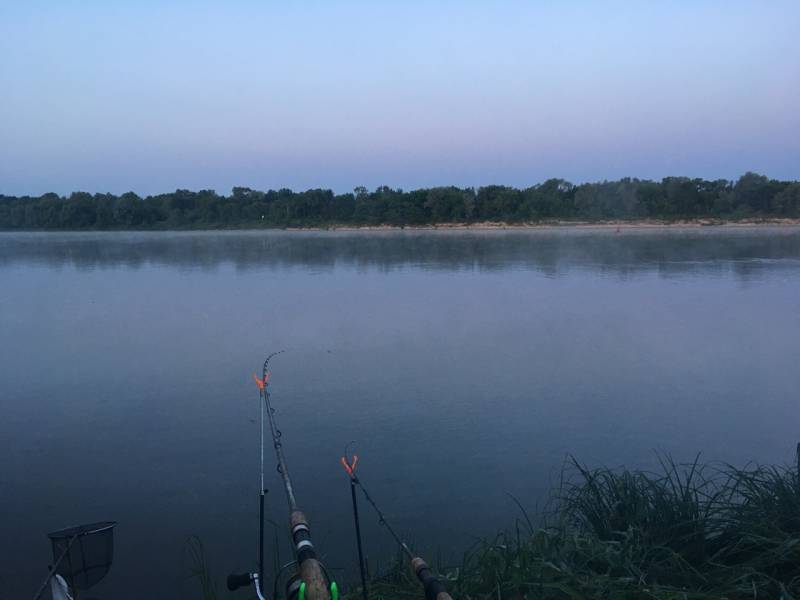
x=752, y=196
x=684, y=532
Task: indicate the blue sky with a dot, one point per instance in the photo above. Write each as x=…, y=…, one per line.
x=152, y=96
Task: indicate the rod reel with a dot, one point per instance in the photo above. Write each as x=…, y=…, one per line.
x=237, y=581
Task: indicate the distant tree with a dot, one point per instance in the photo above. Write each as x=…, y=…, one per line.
x=552, y=199
x=756, y=192
x=104, y=213
x=343, y=207
x=498, y=203
x=609, y=200
x=787, y=201
x=672, y=198
x=80, y=211
x=449, y=204
x=361, y=205
x=127, y=210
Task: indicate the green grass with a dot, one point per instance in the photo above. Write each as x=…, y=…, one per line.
x=199, y=569
x=686, y=531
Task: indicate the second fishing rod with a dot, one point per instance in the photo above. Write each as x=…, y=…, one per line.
x=434, y=589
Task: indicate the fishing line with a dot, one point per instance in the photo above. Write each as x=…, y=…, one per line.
x=310, y=582
x=434, y=590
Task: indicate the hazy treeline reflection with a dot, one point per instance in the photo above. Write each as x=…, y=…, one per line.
x=552, y=251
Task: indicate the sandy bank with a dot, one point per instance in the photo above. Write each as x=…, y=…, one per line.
x=491, y=225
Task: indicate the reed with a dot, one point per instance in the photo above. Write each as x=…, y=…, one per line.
x=686, y=531
x=199, y=568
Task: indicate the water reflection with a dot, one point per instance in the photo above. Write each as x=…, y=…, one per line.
x=553, y=252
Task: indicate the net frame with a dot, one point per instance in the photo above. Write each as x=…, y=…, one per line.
x=88, y=551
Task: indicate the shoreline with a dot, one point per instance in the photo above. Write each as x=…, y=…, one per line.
x=479, y=226
x=494, y=225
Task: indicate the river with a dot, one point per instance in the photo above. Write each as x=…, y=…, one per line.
x=466, y=365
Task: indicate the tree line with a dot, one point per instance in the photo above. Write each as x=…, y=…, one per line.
x=671, y=199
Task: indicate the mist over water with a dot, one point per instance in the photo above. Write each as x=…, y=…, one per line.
x=466, y=365
x=545, y=250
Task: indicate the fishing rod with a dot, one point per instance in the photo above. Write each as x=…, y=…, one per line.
x=311, y=582
x=434, y=590
x=350, y=468
x=257, y=579
x=259, y=582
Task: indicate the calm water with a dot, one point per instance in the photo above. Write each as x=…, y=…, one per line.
x=466, y=365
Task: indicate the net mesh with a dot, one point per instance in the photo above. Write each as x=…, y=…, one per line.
x=90, y=555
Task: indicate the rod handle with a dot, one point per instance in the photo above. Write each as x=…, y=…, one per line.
x=434, y=590
x=310, y=569
x=315, y=580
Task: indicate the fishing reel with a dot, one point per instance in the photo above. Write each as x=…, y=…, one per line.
x=296, y=589
x=237, y=581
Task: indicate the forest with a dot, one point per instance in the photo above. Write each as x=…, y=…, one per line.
x=752, y=196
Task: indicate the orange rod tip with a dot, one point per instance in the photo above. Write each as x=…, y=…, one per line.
x=259, y=383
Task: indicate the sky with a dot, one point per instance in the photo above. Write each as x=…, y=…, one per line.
x=152, y=96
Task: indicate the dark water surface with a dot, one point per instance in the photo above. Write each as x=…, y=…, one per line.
x=465, y=364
